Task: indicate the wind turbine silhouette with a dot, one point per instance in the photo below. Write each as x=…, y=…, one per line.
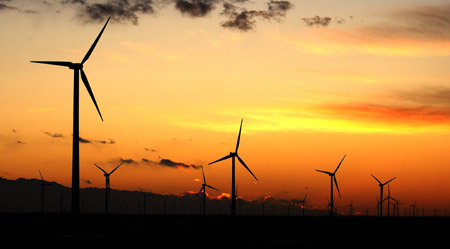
x=233, y=156
x=333, y=178
x=203, y=189
x=388, y=198
x=43, y=184
x=350, y=208
x=107, y=188
x=381, y=193
x=304, y=204
x=77, y=68
x=145, y=198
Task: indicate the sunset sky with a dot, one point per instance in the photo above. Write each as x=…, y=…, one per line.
x=312, y=80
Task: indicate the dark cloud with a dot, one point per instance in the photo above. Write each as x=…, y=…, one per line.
x=172, y=164
x=127, y=161
x=85, y=141
x=195, y=8
x=317, y=21
x=5, y=5
x=120, y=11
x=55, y=135
x=128, y=11
x=89, y=141
x=64, y=2
x=150, y=149
x=244, y=20
x=169, y=163
x=87, y=181
x=20, y=142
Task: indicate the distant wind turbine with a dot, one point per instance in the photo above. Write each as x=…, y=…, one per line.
x=233, y=156
x=203, y=189
x=107, y=188
x=333, y=178
x=381, y=193
x=145, y=197
x=350, y=208
x=43, y=185
x=388, y=198
x=77, y=68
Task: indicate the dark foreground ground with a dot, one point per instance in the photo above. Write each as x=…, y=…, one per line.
x=224, y=231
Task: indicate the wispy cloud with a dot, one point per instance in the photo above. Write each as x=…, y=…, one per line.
x=46, y=109
x=415, y=32
x=88, y=141
x=54, y=135
x=170, y=164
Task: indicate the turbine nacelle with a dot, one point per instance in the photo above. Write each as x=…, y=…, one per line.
x=77, y=66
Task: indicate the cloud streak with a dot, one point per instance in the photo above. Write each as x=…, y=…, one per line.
x=170, y=164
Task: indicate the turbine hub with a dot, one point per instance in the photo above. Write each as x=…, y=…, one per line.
x=76, y=66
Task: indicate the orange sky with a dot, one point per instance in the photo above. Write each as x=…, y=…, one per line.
x=366, y=80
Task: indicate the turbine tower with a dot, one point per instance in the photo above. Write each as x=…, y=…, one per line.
x=203, y=189
x=107, y=188
x=233, y=156
x=43, y=184
x=381, y=193
x=77, y=69
x=333, y=178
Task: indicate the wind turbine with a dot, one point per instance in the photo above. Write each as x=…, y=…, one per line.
x=350, y=208
x=333, y=178
x=107, y=188
x=203, y=189
x=233, y=156
x=413, y=206
x=43, y=184
x=388, y=198
x=77, y=68
x=145, y=197
x=381, y=192
x=303, y=204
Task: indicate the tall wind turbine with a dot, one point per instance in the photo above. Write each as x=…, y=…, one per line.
x=381, y=193
x=333, y=178
x=43, y=184
x=233, y=156
x=107, y=188
x=203, y=189
x=77, y=68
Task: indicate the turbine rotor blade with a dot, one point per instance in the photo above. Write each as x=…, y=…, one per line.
x=389, y=181
x=55, y=63
x=41, y=175
x=376, y=179
x=239, y=137
x=88, y=88
x=116, y=168
x=204, y=179
x=221, y=159
x=242, y=162
x=337, y=187
x=100, y=168
x=212, y=187
x=326, y=172
x=339, y=164
x=89, y=52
